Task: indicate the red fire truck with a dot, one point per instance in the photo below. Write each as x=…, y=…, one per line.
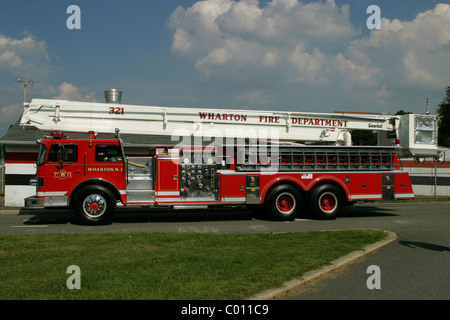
x=94, y=175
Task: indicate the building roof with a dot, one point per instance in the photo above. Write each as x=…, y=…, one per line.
x=17, y=135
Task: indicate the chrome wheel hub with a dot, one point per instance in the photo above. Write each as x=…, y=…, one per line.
x=94, y=205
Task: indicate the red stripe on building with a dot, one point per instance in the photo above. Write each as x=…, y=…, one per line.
x=21, y=157
x=426, y=164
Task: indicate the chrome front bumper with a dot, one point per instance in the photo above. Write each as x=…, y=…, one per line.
x=34, y=202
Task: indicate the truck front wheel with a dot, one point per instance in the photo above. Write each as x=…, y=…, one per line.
x=94, y=205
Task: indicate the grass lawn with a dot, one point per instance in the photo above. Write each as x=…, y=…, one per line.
x=166, y=266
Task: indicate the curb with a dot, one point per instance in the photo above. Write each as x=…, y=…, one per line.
x=275, y=293
x=9, y=211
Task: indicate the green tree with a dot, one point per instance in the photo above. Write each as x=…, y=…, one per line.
x=443, y=111
x=364, y=138
x=401, y=112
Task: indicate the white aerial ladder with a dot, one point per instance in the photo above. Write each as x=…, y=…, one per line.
x=416, y=133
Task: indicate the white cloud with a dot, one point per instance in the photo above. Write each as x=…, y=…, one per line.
x=243, y=43
x=309, y=67
x=416, y=51
x=196, y=29
x=415, y=71
x=181, y=41
x=9, y=114
x=24, y=56
x=8, y=58
x=286, y=44
x=254, y=98
x=16, y=54
x=68, y=91
x=27, y=56
x=218, y=24
x=287, y=21
x=355, y=73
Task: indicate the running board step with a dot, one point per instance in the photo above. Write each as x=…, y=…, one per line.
x=190, y=207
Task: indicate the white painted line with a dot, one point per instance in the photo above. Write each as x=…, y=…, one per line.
x=39, y=226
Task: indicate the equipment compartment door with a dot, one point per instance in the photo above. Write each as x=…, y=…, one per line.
x=365, y=186
x=167, y=178
x=388, y=187
x=252, y=188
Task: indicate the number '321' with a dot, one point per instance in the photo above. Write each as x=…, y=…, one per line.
x=116, y=110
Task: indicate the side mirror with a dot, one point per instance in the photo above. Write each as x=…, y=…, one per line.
x=60, y=156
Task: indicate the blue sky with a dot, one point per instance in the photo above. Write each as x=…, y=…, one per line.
x=272, y=55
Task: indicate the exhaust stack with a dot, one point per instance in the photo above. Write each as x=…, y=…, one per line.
x=113, y=96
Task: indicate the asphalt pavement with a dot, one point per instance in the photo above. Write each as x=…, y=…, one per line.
x=415, y=265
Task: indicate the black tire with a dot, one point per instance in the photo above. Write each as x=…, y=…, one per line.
x=326, y=202
x=284, y=202
x=94, y=205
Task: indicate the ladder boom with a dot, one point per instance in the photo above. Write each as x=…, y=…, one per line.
x=283, y=126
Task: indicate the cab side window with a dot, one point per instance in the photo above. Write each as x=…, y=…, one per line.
x=107, y=153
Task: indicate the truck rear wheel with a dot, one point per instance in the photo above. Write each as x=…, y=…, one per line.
x=284, y=202
x=94, y=205
x=326, y=201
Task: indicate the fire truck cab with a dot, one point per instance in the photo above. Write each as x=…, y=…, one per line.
x=85, y=174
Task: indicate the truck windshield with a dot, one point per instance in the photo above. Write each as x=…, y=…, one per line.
x=41, y=156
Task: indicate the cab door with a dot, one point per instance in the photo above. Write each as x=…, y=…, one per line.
x=63, y=168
